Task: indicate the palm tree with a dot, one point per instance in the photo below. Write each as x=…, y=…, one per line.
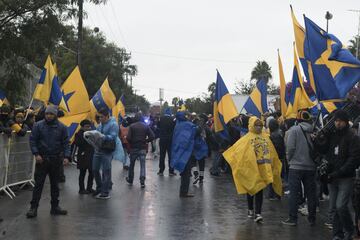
x=354, y=45
x=262, y=70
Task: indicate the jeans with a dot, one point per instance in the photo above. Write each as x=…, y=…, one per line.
x=127, y=159
x=103, y=181
x=258, y=202
x=307, y=178
x=51, y=166
x=141, y=155
x=216, y=157
x=165, y=147
x=340, y=197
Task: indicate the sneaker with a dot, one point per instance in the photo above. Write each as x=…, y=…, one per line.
x=128, y=181
x=32, y=213
x=96, y=192
x=172, y=174
x=90, y=191
x=328, y=225
x=58, y=211
x=103, y=196
x=250, y=213
x=142, y=184
x=187, y=195
x=196, y=180
x=258, y=218
x=82, y=192
x=160, y=174
x=288, y=222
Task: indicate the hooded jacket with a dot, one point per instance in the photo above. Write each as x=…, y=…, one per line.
x=183, y=142
x=297, y=148
x=254, y=162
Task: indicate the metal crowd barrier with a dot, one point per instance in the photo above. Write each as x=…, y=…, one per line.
x=17, y=164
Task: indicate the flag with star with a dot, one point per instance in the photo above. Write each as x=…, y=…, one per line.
x=47, y=89
x=75, y=94
x=73, y=123
x=333, y=70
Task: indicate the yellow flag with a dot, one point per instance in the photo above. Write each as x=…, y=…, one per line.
x=119, y=109
x=282, y=87
x=104, y=98
x=47, y=89
x=73, y=123
x=75, y=94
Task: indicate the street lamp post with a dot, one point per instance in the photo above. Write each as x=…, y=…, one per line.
x=328, y=16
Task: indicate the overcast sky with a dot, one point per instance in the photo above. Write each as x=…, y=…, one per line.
x=178, y=45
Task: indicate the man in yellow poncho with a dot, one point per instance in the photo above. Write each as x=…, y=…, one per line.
x=255, y=164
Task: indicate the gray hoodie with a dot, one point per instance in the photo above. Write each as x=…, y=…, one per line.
x=297, y=149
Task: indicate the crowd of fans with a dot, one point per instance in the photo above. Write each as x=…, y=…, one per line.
x=316, y=166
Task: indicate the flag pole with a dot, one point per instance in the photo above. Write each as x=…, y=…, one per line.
x=28, y=109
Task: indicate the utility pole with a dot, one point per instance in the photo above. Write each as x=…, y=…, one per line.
x=358, y=34
x=80, y=31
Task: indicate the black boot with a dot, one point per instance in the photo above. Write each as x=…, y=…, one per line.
x=58, y=211
x=142, y=182
x=32, y=213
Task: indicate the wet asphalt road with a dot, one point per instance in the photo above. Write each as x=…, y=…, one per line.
x=156, y=212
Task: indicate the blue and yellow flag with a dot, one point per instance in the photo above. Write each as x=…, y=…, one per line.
x=299, y=32
x=75, y=94
x=334, y=70
x=283, y=104
x=256, y=104
x=3, y=99
x=73, y=123
x=103, y=98
x=119, y=108
x=326, y=107
x=298, y=97
x=48, y=90
x=224, y=107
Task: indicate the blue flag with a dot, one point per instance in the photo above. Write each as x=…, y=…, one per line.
x=333, y=70
x=256, y=104
x=224, y=107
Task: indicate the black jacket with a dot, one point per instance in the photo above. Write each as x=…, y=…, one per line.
x=139, y=135
x=279, y=144
x=342, y=151
x=85, y=151
x=50, y=139
x=166, y=127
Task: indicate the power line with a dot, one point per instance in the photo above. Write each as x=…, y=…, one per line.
x=192, y=58
x=107, y=22
x=118, y=26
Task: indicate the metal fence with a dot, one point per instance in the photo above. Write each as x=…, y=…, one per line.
x=17, y=164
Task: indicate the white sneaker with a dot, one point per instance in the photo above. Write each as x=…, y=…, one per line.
x=258, y=218
x=250, y=213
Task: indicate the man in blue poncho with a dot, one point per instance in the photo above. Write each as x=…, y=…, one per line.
x=182, y=149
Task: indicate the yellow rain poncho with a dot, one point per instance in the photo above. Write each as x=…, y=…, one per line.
x=254, y=162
